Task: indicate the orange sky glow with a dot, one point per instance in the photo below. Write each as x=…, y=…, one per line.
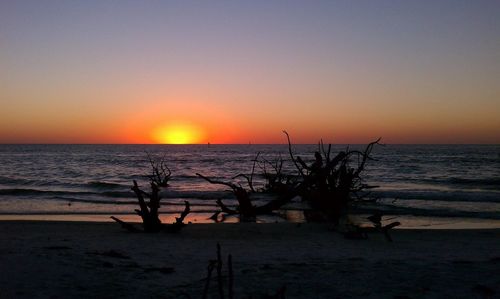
x=181, y=72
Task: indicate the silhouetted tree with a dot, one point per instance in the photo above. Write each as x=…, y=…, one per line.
x=330, y=184
x=246, y=209
x=149, y=210
x=160, y=172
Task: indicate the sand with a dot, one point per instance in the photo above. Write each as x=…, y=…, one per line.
x=40, y=259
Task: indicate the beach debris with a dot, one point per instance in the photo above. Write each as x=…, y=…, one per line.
x=149, y=210
x=161, y=173
x=220, y=281
x=245, y=208
x=249, y=178
x=149, y=213
x=330, y=184
x=277, y=181
x=215, y=217
x=179, y=221
x=376, y=219
x=361, y=233
x=125, y=225
x=385, y=229
x=221, y=286
x=210, y=269
x=356, y=232
x=231, y=276
x=217, y=264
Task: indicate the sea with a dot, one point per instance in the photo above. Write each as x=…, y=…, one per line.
x=419, y=185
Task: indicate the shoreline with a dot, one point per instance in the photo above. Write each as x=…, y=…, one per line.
x=407, y=221
x=55, y=259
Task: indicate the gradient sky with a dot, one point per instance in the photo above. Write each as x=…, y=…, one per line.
x=239, y=72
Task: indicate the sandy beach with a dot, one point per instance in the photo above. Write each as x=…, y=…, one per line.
x=41, y=259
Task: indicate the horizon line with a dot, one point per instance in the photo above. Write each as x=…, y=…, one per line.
x=210, y=144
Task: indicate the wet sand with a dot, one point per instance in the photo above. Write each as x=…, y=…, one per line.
x=41, y=259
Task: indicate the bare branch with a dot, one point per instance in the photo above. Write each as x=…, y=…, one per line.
x=125, y=225
x=291, y=154
x=184, y=213
x=211, y=181
x=225, y=208
x=161, y=173
x=366, y=155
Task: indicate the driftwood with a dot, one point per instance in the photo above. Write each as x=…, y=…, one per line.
x=250, y=177
x=329, y=183
x=277, y=181
x=220, y=281
x=211, y=266
x=245, y=208
x=221, y=286
x=179, y=221
x=376, y=220
x=231, y=276
x=125, y=225
x=361, y=232
x=160, y=172
x=149, y=212
x=217, y=264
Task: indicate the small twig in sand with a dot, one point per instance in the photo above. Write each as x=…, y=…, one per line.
x=230, y=270
x=210, y=269
x=219, y=272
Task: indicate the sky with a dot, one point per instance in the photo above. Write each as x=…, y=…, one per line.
x=243, y=71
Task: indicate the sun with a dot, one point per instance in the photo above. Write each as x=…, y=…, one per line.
x=177, y=134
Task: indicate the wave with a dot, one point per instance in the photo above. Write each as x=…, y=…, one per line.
x=484, y=196
x=36, y=192
x=483, y=182
x=97, y=201
x=107, y=213
x=198, y=194
x=8, y=181
x=491, y=183
x=164, y=203
x=412, y=211
x=104, y=192
x=20, y=192
x=12, y=181
x=104, y=185
x=115, y=193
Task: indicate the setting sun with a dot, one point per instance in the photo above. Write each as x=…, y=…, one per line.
x=177, y=134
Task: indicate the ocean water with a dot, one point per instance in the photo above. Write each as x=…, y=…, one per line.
x=74, y=180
